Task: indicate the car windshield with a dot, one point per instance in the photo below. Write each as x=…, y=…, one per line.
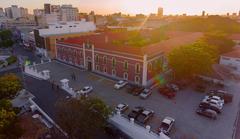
x=164, y=126
x=120, y=82
x=141, y=117
x=85, y=88
x=145, y=91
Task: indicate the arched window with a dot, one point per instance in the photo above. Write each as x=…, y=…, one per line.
x=137, y=79
x=105, y=69
x=125, y=76
x=104, y=60
x=125, y=66
x=97, y=59
x=137, y=68
x=113, y=72
x=114, y=62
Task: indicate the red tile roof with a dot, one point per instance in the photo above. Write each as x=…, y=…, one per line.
x=235, y=36
x=104, y=41
x=233, y=54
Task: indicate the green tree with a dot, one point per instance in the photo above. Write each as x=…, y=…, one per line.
x=6, y=38
x=187, y=61
x=9, y=124
x=83, y=118
x=220, y=40
x=10, y=84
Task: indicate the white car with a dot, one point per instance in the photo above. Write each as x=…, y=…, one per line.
x=121, y=107
x=217, y=98
x=86, y=90
x=166, y=125
x=120, y=84
x=213, y=102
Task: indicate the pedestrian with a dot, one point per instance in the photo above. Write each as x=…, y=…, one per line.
x=74, y=77
x=52, y=83
x=57, y=87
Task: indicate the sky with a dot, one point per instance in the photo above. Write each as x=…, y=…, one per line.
x=132, y=7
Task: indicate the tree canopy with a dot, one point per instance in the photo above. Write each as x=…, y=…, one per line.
x=10, y=84
x=84, y=118
x=209, y=24
x=189, y=60
x=9, y=125
x=6, y=38
x=220, y=40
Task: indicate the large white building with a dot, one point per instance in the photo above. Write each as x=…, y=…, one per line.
x=15, y=12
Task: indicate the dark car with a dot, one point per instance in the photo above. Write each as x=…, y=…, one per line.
x=134, y=90
x=144, y=116
x=227, y=97
x=205, y=105
x=207, y=113
x=136, y=112
x=167, y=92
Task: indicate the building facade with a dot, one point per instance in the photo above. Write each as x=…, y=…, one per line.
x=46, y=38
x=142, y=66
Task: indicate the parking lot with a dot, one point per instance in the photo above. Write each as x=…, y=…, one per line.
x=188, y=124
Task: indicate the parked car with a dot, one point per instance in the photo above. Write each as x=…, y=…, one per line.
x=136, y=112
x=227, y=97
x=120, y=84
x=217, y=98
x=166, y=125
x=216, y=103
x=167, y=92
x=173, y=87
x=134, y=90
x=121, y=107
x=3, y=64
x=145, y=93
x=209, y=106
x=144, y=116
x=207, y=113
x=86, y=90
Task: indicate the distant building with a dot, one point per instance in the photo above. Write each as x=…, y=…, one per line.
x=203, y=13
x=38, y=12
x=55, y=8
x=160, y=11
x=23, y=12
x=15, y=12
x=45, y=19
x=46, y=37
x=47, y=8
x=2, y=12
x=69, y=13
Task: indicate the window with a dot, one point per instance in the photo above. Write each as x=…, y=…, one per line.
x=113, y=72
x=137, y=68
x=97, y=67
x=150, y=66
x=104, y=60
x=125, y=75
x=105, y=70
x=137, y=79
x=125, y=65
x=114, y=62
x=97, y=58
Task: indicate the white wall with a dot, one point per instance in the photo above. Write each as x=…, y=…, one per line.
x=68, y=28
x=232, y=62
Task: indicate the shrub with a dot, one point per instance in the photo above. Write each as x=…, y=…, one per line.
x=11, y=59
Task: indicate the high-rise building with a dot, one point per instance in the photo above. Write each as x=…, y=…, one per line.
x=160, y=11
x=203, y=13
x=38, y=12
x=23, y=12
x=47, y=8
x=68, y=13
x=55, y=8
x=2, y=12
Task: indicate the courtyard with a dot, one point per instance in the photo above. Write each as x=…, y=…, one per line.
x=188, y=124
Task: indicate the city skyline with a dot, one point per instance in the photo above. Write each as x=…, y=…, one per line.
x=137, y=6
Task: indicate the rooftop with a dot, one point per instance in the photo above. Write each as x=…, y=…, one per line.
x=105, y=41
x=233, y=54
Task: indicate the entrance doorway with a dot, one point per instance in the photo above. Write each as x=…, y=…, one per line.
x=89, y=66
